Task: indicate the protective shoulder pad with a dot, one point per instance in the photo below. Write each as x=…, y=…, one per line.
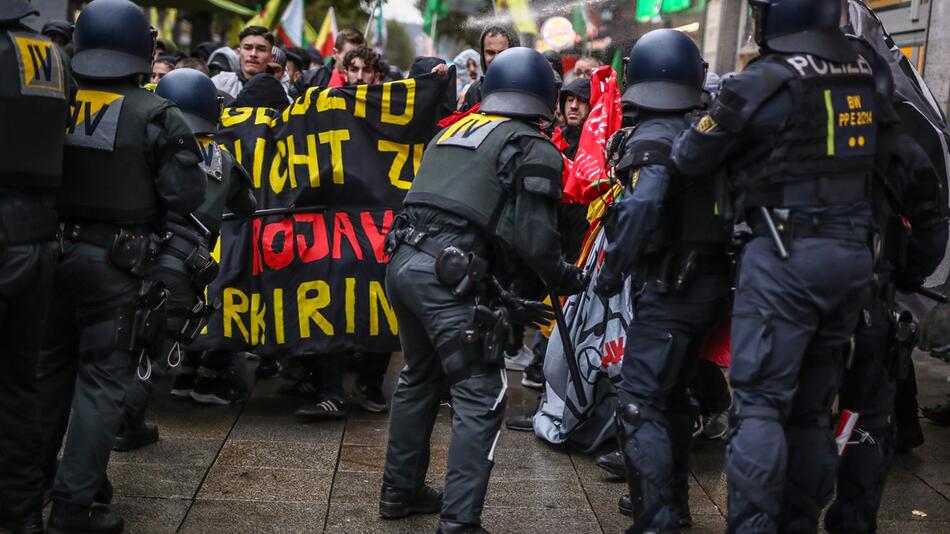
x=650, y=144
x=743, y=94
x=541, y=165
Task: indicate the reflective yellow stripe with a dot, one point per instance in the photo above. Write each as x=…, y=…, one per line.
x=831, y=122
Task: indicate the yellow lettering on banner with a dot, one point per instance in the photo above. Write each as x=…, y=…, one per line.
x=395, y=170
x=278, y=315
x=417, y=158
x=235, y=303
x=406, y=116
x=377, y=300
x=234, y=116
x=237, y=152
x=325, y=102
x=359, y=107
x=264, y=118
x=335, y=139
x=258, y=167
x=308, y=158
x=258, y=328
x=351, y=305
x=216, y=254
x=308, y=309
x=278, y=178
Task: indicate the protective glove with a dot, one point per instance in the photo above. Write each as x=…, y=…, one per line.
x=529, y=312
x=574, y=280
x=607, y=285
x=613, y=149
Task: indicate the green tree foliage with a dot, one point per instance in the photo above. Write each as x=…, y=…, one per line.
x=400, y=50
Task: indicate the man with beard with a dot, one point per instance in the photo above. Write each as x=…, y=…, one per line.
x=494, y=40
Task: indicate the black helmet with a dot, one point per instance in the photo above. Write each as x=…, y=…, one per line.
x=14, y=10
x=519, y=83
x=803, y=26
x=665, y=72
x=113, y=40
x=196, y=95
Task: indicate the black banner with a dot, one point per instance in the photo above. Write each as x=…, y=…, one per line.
x=311, y=281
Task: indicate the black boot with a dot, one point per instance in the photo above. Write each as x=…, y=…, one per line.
x=69, y=518
x=30, y=524
x=451, y=527
x=135, y=436
x=397, y=503
x=104, y=494
x=612, y=462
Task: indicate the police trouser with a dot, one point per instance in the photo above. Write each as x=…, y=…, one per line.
x=868, y=388
x=792, y=323
x=431, y=317
x=663, y=343
x=26, y=279
x=85, y=362
x=182, y=295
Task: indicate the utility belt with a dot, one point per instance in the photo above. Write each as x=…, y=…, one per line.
x=671, y=271
x=790, y=227
x=462, y=272
x=195, y=256
x=131, y=249
x=479, y=345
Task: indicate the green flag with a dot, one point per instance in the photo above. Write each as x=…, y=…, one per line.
x=617, y=63
x=672, y=6
x=435, y=9
x=647, y=9
x=579, y=21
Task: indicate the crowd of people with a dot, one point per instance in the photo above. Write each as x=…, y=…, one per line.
x=754, y=196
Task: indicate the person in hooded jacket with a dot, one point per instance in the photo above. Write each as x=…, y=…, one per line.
x=493, y=41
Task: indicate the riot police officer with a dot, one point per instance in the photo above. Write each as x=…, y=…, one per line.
x=483, y=207
x=184, y=265
x=35, y=90
x=799, y=133
x=666, y=234
x=129, y=158
x=907, y=188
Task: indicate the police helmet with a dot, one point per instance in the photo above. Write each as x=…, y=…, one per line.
x=113, y=40
x=14, y=10
x=802, y=26
x=665, y=72
x=520, y=84
x=196, y=95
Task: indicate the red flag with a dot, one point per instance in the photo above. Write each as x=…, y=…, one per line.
x=458, y=115
x=717, y=346
x=588, y=178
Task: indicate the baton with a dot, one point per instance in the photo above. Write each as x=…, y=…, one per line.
x=776, y=238
x=202, y=227
x=569, y=354
x=932, y=295
x=274, y=211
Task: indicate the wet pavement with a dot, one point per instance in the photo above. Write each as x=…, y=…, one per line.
x=255, y=468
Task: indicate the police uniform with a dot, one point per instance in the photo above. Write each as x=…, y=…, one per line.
x=35, y=89
x=129, y=158
x=798, y=131
x=664, y=231
x=185, y=268
x=906, y=188
x=488, y=186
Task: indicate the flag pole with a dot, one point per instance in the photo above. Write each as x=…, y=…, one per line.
x=369, y=22
x=435, y=24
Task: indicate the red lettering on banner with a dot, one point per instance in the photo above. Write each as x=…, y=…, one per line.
x=377, y=237
x=275, y=259
x=321, y=245
x=343, y=227
x=255, y=246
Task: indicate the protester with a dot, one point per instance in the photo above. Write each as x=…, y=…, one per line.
x=193, y=63
x=362, y=66
x=160, y=67
x=58, y=31
x=224, y=59
x=255, y=55
x=493, y=41
x=332, y=73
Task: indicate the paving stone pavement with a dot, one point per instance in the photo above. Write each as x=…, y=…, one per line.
x=255, y=468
